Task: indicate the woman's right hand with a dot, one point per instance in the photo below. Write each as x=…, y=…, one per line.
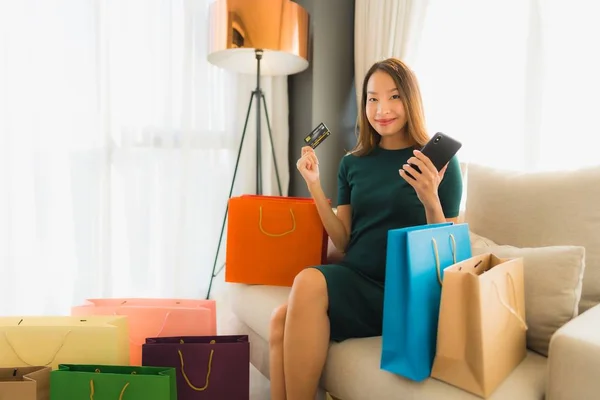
x=308, y=165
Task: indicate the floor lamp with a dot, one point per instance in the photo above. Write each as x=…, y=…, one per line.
x=262, y=38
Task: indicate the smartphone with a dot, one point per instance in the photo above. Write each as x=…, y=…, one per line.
x=440, y=149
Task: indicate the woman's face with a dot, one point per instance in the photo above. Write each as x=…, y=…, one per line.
x=384, y=109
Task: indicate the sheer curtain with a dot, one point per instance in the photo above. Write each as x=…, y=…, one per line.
x=516, y=81
x=117, y=146
x=386, y=28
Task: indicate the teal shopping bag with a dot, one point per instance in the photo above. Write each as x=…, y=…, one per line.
x=112, y=382
x=412, y=293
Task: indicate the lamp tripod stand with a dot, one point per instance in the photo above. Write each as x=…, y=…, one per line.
x=258, y=95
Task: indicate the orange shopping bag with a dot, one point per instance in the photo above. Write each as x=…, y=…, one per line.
x=271, y=239
x=151, y=318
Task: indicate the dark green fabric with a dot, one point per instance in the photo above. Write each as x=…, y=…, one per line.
x=149, y=383
x=381, y=200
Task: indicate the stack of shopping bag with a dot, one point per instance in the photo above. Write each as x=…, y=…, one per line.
x=100, y=353
x=271, y=239
x=154, y=318
x=162, y=349
x=448, y=315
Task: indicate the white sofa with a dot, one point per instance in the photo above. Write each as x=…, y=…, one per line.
x=545, y=217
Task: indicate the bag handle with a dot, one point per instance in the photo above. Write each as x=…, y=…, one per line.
x=92, y=386
x=12, y=347
x=437, y=256
x=160, y=331
x=260, y=213
x=210, y=359
x=510, y=309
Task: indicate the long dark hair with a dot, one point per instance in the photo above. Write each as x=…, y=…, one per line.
x=410, y=95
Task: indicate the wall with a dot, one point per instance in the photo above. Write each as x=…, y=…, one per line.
x=324, y=92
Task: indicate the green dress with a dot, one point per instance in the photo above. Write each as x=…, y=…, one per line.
x=381, y=200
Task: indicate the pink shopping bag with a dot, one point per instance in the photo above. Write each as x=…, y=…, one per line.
x=149, y=318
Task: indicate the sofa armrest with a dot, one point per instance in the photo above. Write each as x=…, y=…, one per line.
x=574, y=359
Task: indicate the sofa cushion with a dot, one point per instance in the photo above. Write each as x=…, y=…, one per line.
x=553, y=280
x=478, y=241
x=254, y=304
x=352, y=372
x=540, y=209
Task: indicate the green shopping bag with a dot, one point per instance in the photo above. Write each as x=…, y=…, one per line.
x=112, y=382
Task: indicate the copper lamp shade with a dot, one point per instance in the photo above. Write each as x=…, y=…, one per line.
x=240, y=27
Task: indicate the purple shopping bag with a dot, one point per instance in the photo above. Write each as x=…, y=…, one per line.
x=208, y=367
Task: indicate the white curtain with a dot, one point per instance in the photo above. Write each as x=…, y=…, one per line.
x=383, y=29
x=117, y=146
x=515, y=80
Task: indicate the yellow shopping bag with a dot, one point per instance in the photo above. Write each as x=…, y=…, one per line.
x=49, y=341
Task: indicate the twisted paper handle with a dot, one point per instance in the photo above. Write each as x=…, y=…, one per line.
x=122, y=390
x=437, y=256
x=210, y=358
x=12, y=347
x=276, y=234
x=510, y=309
x=92, y=390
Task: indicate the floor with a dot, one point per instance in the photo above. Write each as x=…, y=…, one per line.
x=259, y=385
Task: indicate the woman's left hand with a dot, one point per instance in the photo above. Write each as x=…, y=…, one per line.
x=427, y=181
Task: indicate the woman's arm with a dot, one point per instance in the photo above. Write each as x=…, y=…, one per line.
x=439, y=192
x=450, y=191
x=337, y=226
x=435, y=213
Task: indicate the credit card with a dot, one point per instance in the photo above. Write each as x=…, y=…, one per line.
x=317, y=136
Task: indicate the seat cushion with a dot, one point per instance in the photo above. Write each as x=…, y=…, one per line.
x=254, y=304
x=352, y=371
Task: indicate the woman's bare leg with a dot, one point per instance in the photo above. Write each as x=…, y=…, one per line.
x=276, y=353
x=306, y=338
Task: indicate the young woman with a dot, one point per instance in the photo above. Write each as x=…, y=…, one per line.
x=375, y=194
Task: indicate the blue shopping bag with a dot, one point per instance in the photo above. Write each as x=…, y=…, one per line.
x=412, y=293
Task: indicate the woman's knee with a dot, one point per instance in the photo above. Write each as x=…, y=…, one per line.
x=310, y=286
x=277, y=326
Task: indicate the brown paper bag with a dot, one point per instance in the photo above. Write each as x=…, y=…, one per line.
x=481, y=328
x=25, y=383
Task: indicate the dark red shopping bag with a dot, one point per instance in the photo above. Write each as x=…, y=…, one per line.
x=208, y=367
